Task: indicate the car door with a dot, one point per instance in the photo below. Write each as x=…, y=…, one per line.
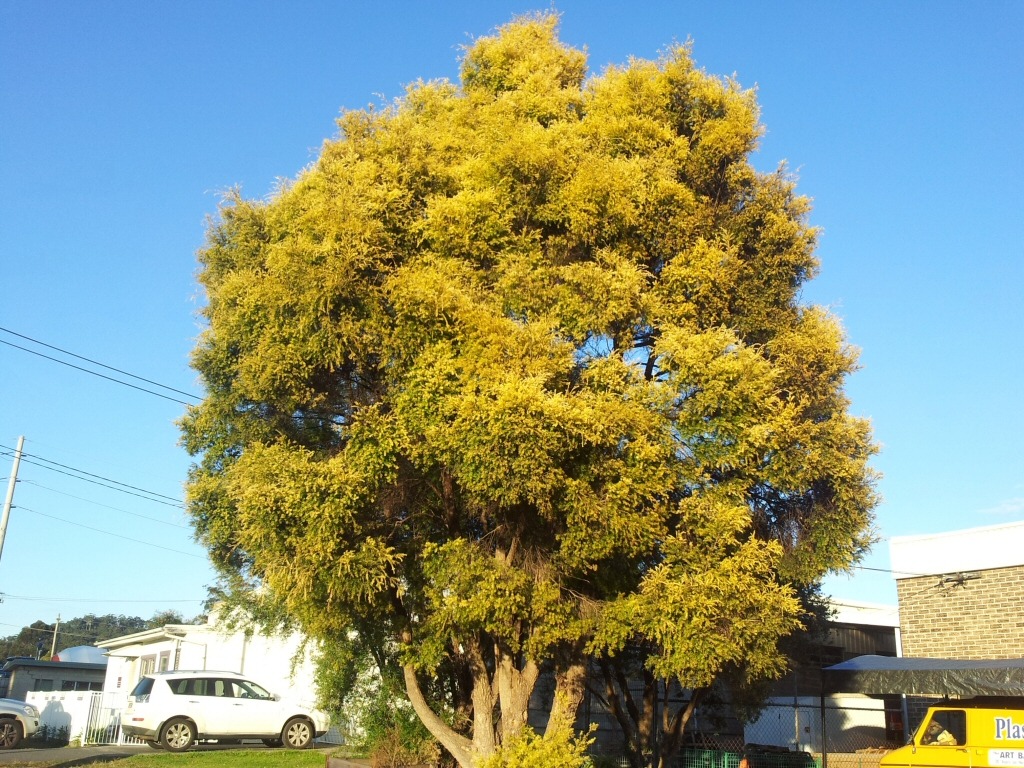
x=214, y=704
x=948, y=751
x=255, y=711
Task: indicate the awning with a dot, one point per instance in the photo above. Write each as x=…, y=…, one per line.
x=940, y=677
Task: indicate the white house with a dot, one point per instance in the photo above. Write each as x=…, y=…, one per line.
x=280, y=663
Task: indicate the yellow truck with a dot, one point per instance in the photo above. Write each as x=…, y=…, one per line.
x=971, y=733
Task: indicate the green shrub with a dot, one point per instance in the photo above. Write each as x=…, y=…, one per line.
x=559, y=747
x=393, y=750
x=51, y=736
x=384, y=725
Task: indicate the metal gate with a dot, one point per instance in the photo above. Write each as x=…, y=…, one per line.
x=103, y=725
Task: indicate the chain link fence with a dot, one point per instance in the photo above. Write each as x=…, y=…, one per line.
x=798, y=732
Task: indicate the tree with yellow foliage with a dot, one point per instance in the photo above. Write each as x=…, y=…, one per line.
x=518, y=372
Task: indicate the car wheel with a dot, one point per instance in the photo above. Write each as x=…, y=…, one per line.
x=273, y=742
x=178, y=734
x=10, y=733
x=297, y=733
x=153, y=744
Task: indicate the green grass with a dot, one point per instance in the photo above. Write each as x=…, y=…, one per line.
x=236, y=758
x=226, y=759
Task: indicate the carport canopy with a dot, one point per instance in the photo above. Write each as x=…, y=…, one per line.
x=918, y=676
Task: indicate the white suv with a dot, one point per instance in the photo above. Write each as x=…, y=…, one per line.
x=173, y=710
x=18, y=721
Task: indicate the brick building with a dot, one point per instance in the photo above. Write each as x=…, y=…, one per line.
x=961, y=594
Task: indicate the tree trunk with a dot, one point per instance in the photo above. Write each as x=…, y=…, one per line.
x=483, y=702
x=620, y=702
x=675, y=722
x=459, y=746
x=649, y=716
x=647, y=746
x=570, y=685
x=514, y=688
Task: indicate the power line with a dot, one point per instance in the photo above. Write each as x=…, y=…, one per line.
x=103, y=376
x=94, y=373
x=81, y=474
x=103, y=485
x=95, y=362
x=107, y=506
x=890, y=571
x=36, y=598
x=108, y=533
x=46, y=630
x=49, y=631
x=92, y=638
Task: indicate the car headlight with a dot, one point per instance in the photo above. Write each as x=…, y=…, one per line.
x=31, y=711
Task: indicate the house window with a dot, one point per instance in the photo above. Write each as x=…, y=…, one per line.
x=42, y=685
x=165, y=661
x=147, y=664
x=80, y=685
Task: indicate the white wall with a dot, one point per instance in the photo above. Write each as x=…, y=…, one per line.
x=64, y=709
x=795, y=723
x=847, y=611
x=270, y=661
x=275, y=662
x=123, y=665
x=971, y=549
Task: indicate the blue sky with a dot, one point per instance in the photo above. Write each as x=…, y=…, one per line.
x=121, y=123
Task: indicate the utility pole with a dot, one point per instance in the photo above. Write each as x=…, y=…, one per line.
x=53, y=645
x=10, y=492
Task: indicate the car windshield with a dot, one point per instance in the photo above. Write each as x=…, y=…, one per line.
x=143, y=687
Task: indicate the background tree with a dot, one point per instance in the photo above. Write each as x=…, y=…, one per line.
x=27, y=641
x=518, y=373
x=81, y=630
x=160, y=618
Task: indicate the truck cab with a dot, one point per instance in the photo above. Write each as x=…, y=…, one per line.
x=972, y=733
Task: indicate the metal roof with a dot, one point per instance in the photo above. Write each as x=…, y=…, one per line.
x=921, y=676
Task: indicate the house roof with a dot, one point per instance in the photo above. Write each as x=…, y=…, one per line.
x=168, y=631
x=919, y=676
x=17, y=662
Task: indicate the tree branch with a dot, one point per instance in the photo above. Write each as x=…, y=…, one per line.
x=460, y=747
x=626, y=718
